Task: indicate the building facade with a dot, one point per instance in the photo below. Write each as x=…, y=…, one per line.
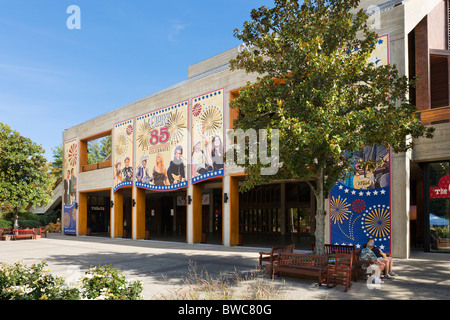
x=165, y=179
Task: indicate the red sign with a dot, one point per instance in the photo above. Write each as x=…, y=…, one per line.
x=442, y=190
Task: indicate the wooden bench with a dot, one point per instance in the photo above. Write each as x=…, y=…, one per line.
x=24, y=233
x=6, y=233
x=272, y=255
x=301, y=264
x=42, y=232
x=341, y=272
x=339, y=248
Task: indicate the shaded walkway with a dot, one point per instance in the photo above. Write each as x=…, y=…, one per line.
x=163, y=267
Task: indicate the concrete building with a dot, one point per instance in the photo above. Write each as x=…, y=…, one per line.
x=130, y=195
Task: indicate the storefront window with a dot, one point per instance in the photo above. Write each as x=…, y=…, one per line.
x=438, y=207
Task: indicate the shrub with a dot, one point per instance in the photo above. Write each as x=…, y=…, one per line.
x=106, y=283
x=5, y=223
x=28, y=223
x=19, y=282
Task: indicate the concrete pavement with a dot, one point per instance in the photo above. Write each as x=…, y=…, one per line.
x=164, y=267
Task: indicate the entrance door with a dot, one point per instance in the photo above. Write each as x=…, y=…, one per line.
x=437, y=215
x=165, y=215
x=277, y=214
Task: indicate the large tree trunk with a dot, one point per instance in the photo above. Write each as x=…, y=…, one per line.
x=16, y=218
x=320, y=216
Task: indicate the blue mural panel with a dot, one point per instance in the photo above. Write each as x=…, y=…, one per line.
x=360, y=205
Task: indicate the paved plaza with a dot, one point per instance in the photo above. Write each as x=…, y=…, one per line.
x=163, y=267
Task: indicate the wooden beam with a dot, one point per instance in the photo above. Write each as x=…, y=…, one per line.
x=436, y=114
x=118, y=213
x=82, y=213
x=140, y=213
x=234, y=210
x=197, y=191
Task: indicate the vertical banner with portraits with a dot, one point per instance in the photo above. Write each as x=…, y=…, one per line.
x=162, y=148
x=360, y=204
x=122, y=140
x=207, y=134
x=70, y=186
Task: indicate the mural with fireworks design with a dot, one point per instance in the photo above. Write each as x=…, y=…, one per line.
x=70, y=185
x=207, y=135
x=360, y=204
x=161, y=148
x=122, y=140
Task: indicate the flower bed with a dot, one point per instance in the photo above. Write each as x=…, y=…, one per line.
x=20, y=282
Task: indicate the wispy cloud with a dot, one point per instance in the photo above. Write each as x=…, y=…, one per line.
x=20, y=69
x=175, y=29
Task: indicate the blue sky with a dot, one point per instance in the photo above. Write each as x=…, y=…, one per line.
x=52, y=78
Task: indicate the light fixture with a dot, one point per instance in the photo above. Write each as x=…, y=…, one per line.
x=225, y=197
x=134, y=202
x=189, y=200
x=111, y=204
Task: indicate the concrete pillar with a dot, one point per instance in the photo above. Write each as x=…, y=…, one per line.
x=112, y=221
x=400, y=193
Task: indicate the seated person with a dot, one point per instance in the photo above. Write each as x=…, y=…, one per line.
x=369, y=255
x=388, y=261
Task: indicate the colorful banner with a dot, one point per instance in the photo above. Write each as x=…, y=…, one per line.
x=122, y=155
x=360, y=205
x=161, y=148
x=380, y=55
x=70, y=186
x=207, y=135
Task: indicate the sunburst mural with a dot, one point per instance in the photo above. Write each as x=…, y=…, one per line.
x=210, y=121
x=73, y=154
x=177, y=126
x=358, y=205
x=339, y=209
x=143, y=136
x=377, y=222
x=121, y=144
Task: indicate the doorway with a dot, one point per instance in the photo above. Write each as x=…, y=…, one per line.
x=98, y=214
x=165, y=215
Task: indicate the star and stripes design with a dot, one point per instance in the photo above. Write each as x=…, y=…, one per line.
x=357, y=214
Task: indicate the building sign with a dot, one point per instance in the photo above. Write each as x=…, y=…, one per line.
x=442, y=191
x=70, y=186
x=162, y=148
x=122, y=139
x=207, y=133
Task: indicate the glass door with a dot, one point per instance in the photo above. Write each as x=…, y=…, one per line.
x=438, y=207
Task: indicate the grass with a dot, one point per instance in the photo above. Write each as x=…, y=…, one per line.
x=204, y=286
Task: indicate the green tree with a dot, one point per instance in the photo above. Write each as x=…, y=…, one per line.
x=25, y=177
x=316, y=85
x=99, y=149
x=57, y=163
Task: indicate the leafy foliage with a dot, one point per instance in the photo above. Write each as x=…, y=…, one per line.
x=21, y=282
x=25, y=177
x=317, y=86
